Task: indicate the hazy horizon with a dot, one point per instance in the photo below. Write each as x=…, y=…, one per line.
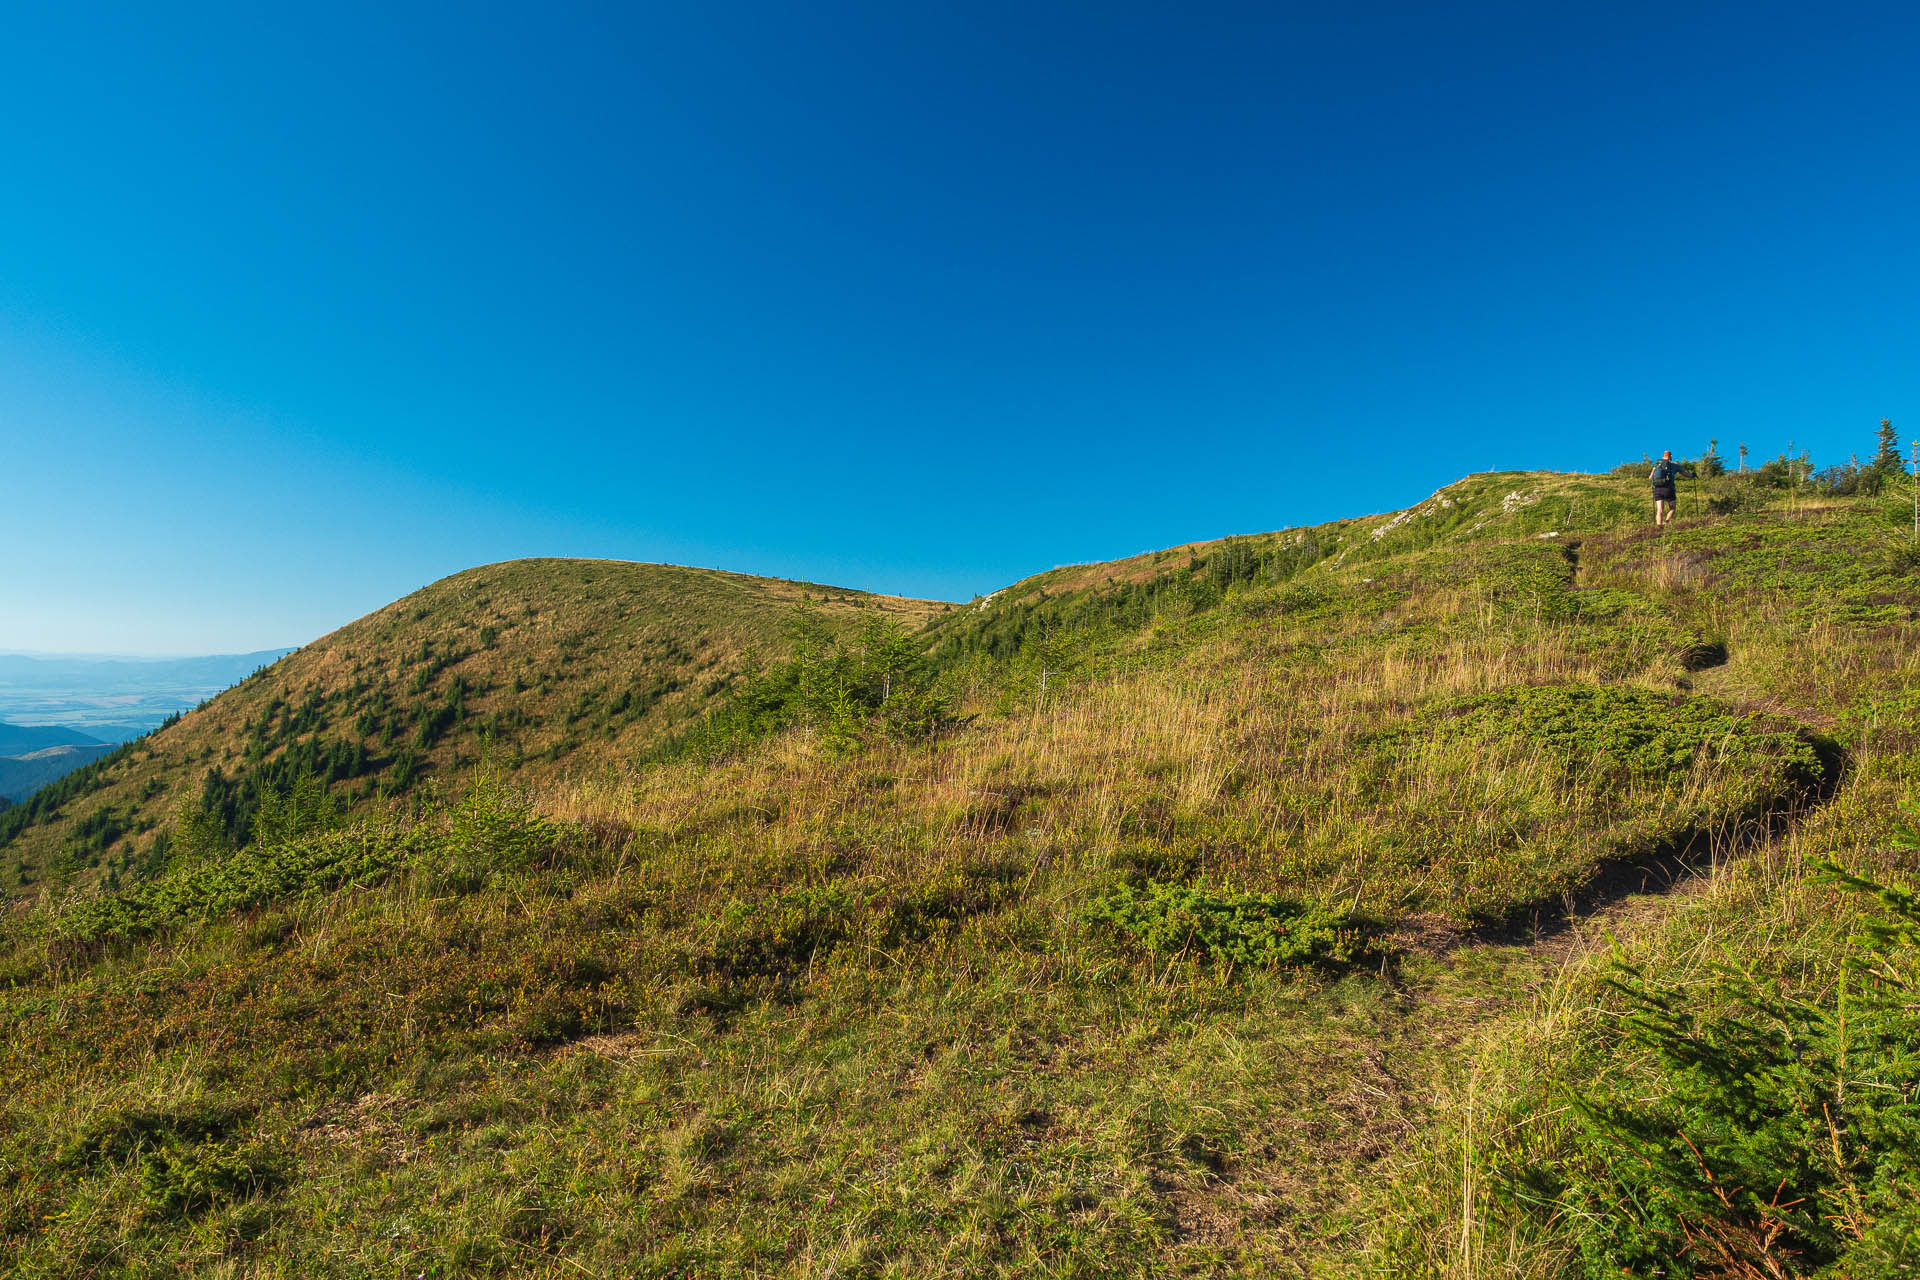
x=74, y=655
x=119, y=697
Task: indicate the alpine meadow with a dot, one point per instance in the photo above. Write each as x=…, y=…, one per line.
x=1495, y=888
x=864, y=641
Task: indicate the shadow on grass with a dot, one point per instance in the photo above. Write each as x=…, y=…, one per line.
x=1669, y=865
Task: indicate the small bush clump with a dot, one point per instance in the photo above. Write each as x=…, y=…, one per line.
x=1259, y=929
x=187, y=1158
x=1607, y=733
x=180, y=1179
x=491, y=831
x=253, y=877
x=119, y=1135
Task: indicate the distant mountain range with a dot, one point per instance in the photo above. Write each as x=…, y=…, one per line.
x=20, y=739
x=221, y=670
x=23, y=774
x=31, y=756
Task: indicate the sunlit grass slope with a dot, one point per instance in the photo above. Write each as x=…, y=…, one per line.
x=539, y=666
x=1227, y=900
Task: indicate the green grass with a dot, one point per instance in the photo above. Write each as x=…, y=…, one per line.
x=1164, y=956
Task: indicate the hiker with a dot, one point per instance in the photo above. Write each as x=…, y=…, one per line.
x=1665, y=472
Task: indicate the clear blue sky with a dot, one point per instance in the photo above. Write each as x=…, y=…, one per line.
x=301, y=310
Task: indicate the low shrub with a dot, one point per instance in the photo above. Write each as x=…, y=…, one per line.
x=187, y=1158
x=1902, y=552
x=1733, y=498
x=1260, y=929
x=253, y=877
x=121, y=1134
x=492, y=831
x=180, y=1179
x=1606, y=733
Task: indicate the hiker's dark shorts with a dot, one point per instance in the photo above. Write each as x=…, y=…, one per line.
x=1663, y=495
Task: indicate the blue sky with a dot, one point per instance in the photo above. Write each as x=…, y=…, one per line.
x=302, y=310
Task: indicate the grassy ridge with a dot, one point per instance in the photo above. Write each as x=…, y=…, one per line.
x=539, y=666
x=1075, y=986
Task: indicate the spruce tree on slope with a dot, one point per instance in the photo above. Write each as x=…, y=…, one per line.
x=1887, y=460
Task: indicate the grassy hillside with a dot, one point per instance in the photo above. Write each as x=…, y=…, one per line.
x=541, y=667
x=1239, y=910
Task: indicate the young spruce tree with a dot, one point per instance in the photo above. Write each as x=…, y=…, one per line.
x=1887, y=459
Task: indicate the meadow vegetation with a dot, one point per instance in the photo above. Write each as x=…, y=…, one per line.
x=542, y=668
x=1488, y=889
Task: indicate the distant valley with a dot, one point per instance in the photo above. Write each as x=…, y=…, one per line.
x=22, y=775
x=59, y=712
x=114, y=699
x=31, y=756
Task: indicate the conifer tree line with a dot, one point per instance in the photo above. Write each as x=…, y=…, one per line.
x=1795, y=469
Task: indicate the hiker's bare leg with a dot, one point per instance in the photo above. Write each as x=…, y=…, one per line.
x=1662, y=512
